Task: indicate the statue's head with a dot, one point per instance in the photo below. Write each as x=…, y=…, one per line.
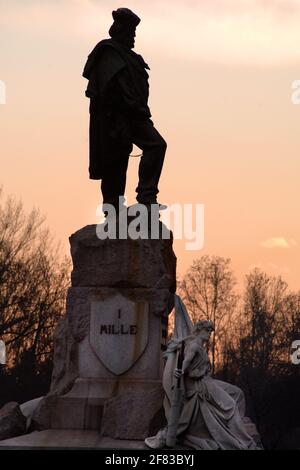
x=204, y=328
x=124, y=27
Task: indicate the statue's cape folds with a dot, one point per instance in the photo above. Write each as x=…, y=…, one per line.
x=109, y=132
x=103, y=64
x=118, y=58
x=100, y=74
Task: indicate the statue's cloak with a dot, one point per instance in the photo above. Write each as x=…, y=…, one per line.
x=118, y=91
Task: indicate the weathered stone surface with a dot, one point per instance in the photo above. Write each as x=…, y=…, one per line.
x=82, y=406
x=12, y=421
x=110, y=342
x=134, y=415
x=65, y=360
x=69, y=412
x=28, y=408
x=68, y=439
x=41, y=417
x=122, y=263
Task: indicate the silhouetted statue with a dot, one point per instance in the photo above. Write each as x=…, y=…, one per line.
x=119, y=114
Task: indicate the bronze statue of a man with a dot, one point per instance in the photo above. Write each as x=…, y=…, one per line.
x=119, y=114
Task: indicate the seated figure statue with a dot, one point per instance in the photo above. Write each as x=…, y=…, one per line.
x=210, y=415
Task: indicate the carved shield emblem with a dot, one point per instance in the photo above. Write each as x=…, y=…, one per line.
x=119, y=330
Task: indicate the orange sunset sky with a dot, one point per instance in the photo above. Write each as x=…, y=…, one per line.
x=220, y=93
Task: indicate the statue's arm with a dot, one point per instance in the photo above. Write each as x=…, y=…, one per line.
x=188, y=357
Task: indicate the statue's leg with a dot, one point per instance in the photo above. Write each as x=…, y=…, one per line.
x=114, y=177
x=149, y=140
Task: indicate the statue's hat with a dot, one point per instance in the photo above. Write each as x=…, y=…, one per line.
x=126, y=17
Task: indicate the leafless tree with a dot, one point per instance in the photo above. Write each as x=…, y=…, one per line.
x=208, y=291
x=265, y=321
x=33, y=282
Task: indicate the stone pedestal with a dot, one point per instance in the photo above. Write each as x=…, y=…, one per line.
x=108, y=348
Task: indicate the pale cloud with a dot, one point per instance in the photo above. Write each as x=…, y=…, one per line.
x=248, y=32
x=270, y=267
x=278, y=242
x=233, y=32
x=278, y=269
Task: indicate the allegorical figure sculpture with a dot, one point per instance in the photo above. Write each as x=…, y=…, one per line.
x=119, y=114
x=202, y=412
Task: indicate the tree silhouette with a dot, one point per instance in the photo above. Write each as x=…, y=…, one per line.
x=33, y=283
x=208, y=291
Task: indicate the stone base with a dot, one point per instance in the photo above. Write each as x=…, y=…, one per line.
x=115, y=407
x=135, y=415
x=68, y=439
x=12, y=421
x=77, y=439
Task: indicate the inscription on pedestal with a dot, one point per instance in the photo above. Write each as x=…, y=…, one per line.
x=119, y=332
x=119, y=329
